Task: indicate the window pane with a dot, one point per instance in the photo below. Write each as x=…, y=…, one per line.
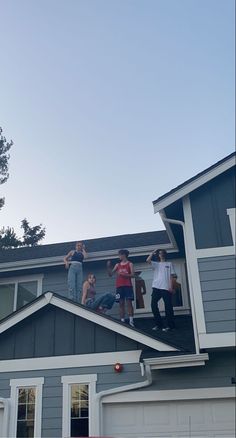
x=22, y=396
x=25, y=429
x=79, y=410
x=6, y=299
x=26, y=412
x=26, y=292
x=79, y=427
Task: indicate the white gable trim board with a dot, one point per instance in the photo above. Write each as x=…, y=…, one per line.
x=193, y=185
x=86, y=314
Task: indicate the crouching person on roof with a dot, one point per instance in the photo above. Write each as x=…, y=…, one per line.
x=89, y=299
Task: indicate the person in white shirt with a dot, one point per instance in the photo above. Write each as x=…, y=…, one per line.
x=162, y=287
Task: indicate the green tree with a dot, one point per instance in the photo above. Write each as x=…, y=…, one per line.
x=31, y=236
x=8, y=238
x=4, y=158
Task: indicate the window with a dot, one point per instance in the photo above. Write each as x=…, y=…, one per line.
x=26, y=397
x=78, y=408
x=143, y=288
x=15, y=293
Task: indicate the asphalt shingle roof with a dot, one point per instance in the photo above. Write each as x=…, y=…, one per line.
x=92, y=245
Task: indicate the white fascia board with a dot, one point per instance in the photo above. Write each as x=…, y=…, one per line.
x=70, y=361
x=84, y=313
x=191, y=186
x=175, y=394
x=214, y=340
x=93, y=256
x=22, y=314
x=177, y=361
x=112, y=325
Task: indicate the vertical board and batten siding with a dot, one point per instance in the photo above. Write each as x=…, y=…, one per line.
x=52, y=389
x=217, y=277
x=209, y=205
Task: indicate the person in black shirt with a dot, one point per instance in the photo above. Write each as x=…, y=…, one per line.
x=74, y=262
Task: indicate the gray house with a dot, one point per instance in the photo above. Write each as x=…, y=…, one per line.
x=67, y=371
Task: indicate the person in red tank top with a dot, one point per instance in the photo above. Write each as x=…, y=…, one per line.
x=124, y=290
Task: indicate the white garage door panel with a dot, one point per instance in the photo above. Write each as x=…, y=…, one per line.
x=195, y=418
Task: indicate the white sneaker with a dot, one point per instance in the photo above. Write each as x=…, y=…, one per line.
x=131, y=323
x=156, y=328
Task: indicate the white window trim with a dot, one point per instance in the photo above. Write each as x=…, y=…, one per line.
x=15, y=384
x=19, y=279
x=67, y=381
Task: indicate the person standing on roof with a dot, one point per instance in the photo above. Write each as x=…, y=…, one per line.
x=74, y=262
x=124, y=271
x=162, y=287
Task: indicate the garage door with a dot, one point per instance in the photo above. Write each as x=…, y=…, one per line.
x=193, y=418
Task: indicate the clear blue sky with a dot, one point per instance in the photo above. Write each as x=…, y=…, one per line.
x=110, y=104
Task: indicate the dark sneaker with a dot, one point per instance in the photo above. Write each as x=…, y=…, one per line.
x=156, y=328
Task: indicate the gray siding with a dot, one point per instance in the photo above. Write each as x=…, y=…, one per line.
x=54, y=332
x=52, y=389
x=209, y=204
x=217, y=277
x=217, y=372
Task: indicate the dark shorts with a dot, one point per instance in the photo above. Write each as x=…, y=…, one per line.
x=124, y=293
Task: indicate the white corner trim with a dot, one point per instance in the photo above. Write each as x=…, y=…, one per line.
x=166, y=395
x=67, y=381
x=212, y=340
x=231, y=214
x=192, y=185
x=191, y=259
x=5, y=405
x=49, y=296
x=36, y=382
x=189, y=360
x=73, y=361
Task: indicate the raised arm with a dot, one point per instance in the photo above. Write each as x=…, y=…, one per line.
x=85, y=254
x=149, y=259
x=111, y=270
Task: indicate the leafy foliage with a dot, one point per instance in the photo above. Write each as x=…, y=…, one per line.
x=31, y=236
x=4, y=158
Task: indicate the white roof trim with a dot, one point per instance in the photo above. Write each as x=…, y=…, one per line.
x=93, y=256
x=189, y=187
x=157, y=363
x=84, y=313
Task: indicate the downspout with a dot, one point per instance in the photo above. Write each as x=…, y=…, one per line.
x=6, y=407
x=145, y=370
x=194, y=319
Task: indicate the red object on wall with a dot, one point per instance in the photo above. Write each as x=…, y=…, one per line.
x=118, y=367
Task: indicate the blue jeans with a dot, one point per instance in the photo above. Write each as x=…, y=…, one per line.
x=75, y=280
x=106, y=301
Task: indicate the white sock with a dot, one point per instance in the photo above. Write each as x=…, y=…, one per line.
x=131, y=319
